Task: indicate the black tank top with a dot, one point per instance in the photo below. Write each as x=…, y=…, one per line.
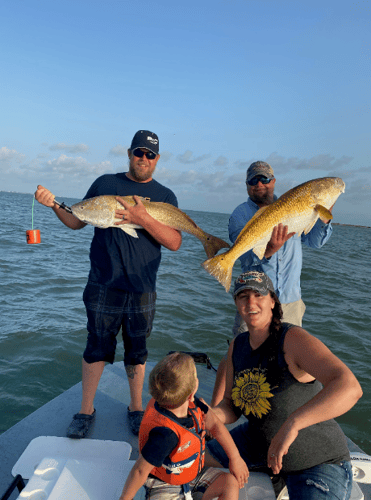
x=266, y=392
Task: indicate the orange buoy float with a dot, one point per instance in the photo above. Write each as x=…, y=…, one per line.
x=33, y=236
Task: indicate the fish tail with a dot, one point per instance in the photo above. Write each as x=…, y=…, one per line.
x=212, y=245
x=221, y=269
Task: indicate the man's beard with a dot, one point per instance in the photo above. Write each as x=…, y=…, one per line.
x=139, y=175
x=263, y=199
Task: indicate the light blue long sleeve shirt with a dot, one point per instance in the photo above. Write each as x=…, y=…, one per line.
x=284, y=266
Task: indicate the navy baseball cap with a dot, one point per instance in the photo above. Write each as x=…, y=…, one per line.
x=259, y=168
x=145, y=139
x=253, y=280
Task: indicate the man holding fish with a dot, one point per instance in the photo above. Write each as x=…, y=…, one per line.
x=280, y=258
x=121, y=289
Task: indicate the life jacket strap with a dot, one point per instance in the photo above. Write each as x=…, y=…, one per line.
x=187, y=491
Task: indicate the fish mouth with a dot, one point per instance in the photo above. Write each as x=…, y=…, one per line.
x=83, y=220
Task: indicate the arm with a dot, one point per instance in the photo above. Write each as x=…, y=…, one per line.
x=318, y=236
x=136, y=478
x=225, y=409
x=168, y=237
x=320, y=233
x=237, y=466
x=307, y=355
x=46, y=198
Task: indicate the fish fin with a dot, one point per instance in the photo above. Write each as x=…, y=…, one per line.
x=309, y=227
x=220, y=267
x=259, y=250
x=212, y=245
x=127, y=228
x=323, y=212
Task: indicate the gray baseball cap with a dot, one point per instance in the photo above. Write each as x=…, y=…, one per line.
x=259, y=168
x=253, y=280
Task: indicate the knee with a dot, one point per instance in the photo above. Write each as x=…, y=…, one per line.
x=230, y=479
x=230, y=482
x=135, y=357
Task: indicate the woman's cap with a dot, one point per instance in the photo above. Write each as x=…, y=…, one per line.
x=253, y=280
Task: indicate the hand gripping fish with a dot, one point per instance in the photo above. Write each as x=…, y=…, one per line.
x=299, y=208
x=100, y=212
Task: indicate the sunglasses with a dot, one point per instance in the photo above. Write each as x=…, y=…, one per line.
x=139, y=154
x=260, y=178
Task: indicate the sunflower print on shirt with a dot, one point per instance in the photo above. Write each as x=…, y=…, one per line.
x=251, y=391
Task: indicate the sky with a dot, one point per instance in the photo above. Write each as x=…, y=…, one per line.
x=223, y=83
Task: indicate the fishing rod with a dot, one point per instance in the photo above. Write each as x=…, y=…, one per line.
x=33, y=235
x=64, y=206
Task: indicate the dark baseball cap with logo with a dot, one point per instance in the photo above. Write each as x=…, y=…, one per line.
x=145, y=139
x=253, y=280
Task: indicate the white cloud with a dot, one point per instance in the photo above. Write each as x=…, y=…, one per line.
x=222, y=190
x=72, y=149
x=175, y=177
x=344, y=160
x=209, y=186
x=188, y=157
x=284, y=165
x=119, y=150
x=65, y=165
x=221, y=161
x=323, y=162
x=165, y=156
x=201, y=182
x=243, y=164
x=6, y=155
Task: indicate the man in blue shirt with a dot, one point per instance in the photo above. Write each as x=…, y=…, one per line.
x=283, y=257
x=121, y=288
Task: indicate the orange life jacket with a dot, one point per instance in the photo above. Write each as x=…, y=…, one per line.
x=187, y=459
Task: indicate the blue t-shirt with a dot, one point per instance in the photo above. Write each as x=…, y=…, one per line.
x=117, y=259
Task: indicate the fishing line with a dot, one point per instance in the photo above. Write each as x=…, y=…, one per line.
x=33, y=203
x=33, y=235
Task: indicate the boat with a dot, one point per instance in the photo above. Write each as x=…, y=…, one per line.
x=37, y=461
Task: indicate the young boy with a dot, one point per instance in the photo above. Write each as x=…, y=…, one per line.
x=172, y=440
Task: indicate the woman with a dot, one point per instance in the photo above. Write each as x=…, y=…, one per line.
x=274, y=377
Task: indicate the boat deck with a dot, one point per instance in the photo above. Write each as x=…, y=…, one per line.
x=111, y=403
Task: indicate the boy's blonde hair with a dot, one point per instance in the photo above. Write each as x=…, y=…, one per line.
x=173, y=380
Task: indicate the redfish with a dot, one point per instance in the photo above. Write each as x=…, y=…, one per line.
x=299, y=208
x=100, y=212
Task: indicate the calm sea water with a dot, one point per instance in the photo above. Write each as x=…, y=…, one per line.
x=42, y=331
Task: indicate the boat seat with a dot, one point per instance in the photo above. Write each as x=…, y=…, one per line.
x=60, y=468
x=90, y=469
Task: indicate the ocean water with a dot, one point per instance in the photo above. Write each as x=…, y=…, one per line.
x=43, y=323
